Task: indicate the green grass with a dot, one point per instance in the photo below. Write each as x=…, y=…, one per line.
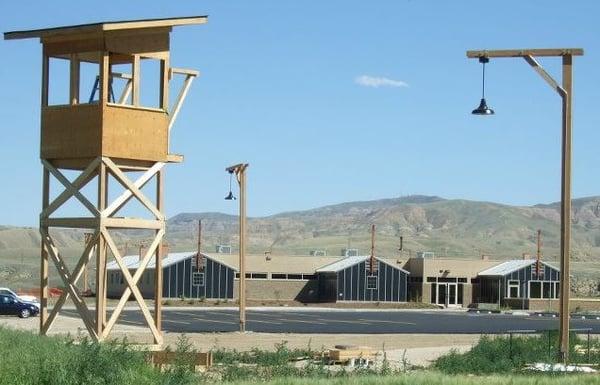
x=26, y=358
x=493, y=355
x=439, y=379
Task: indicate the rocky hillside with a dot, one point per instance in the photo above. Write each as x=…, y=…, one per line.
x=456, y=228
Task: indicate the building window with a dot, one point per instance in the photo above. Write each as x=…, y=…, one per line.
x=513, y=289
x=372, y=282
x=462, y=280
x=431, y=279
x=198, y=279
x=294, y=276
x=308, y=277
x=278, y=276
x=415, y=279
x=256, y=275
x=544, y=289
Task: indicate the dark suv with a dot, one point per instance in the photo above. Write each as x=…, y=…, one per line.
x=9, y=305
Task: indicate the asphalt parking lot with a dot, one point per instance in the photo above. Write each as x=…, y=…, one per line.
x=352, y=322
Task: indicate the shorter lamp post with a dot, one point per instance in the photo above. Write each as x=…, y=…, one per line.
x=239, y=170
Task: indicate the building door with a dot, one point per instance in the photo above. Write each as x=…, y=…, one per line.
x=442, y=291
x=452, y=294
x=447, y=295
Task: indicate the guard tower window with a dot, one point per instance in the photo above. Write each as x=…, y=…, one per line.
x=58, y=84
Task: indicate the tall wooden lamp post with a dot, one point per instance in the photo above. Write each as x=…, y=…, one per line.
x=565, y=91
x=239, y=170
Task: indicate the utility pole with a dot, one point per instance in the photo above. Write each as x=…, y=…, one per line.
x=538, y=254
x=240, y=174
x=199, y=244
x=372, y=259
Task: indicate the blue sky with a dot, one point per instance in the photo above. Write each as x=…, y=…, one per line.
x=333, y=101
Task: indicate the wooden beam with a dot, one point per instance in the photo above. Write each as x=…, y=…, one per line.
x=73, y=290
x=132, y=285
x=73, y=31
x=164, y=85
x=74, y=277
x=184, y=71
x=76, y=223
x=545, y=75
x=104, y=77
x=69, y=186
x=134, y=280
x=180, y=98
x=524, y=52
x=86, y=176
x=136, y=80
x=74, y=79
x=158, y=271
x=101, y=254
x=45, y=78
x=44, y=256
x=125, y=182
x=118, y=203
x=132, y=223
x=565, y=207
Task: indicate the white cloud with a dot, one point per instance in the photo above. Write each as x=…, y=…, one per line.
x=378, y=81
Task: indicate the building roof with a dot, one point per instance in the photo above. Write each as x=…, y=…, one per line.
x=254, y=263
x=105, y=26
x=351, y=261
x=133, y=261
x=509, y=267
x=277, y=263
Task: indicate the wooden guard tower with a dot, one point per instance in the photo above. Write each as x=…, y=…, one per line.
x=106, y=136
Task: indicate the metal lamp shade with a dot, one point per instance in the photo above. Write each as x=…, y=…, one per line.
x=483, y=109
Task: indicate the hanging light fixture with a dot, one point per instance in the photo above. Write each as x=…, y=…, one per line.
x=230, y=196
x=483, y=108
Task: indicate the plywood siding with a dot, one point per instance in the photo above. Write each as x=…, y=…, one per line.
x=71, y=131
x=132, y=133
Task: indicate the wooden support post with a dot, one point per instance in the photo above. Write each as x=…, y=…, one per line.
x=101, y=255
x=104, y=78
x=44, y=256
x=136, y=80
x=164, y=84
x=240, y=174
x=74, y=80
x=242, y=182
x=45, y=78
x=158, y=273
x=565, y=207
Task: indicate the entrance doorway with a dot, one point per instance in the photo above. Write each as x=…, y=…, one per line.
x=446, y=294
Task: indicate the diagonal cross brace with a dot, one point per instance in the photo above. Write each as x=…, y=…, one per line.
x=545, y=75
x=73, y=290
x=126, y=182
x=84, y=178
x=77, y=271
x=71, y=188
x=118, y=203
x=132, y=285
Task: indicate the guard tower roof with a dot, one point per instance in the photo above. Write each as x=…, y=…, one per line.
x=102, y=27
